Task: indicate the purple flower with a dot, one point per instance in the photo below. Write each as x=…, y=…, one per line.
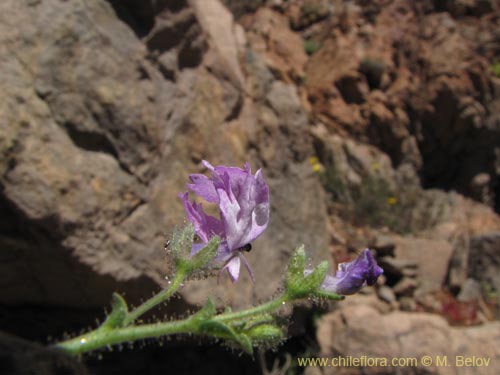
x=352, y=276
x=243, y=202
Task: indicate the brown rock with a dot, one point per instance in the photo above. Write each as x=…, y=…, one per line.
x=102, y=129
x=431, y=256
x=405, y=287
x=484, y=260
x=383, y=244
x=358, y=330
x=282, y=50
x=217, y=22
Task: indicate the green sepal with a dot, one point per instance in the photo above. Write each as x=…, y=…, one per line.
x=300, y=286
x=313, y=281
x=181, y=243
x=265, y=333
x=119, y=311
x=205, y=256
x=296, y=266
x=329, y=296
x=218, y=329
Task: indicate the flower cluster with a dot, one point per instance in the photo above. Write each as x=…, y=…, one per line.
x=243, y=203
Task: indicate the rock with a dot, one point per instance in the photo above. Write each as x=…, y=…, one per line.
x=282, y=50
x=383, y=244
x=346, y=332
x=396, y=267
x=98, y=147
x=471, y=291
x=462, y=8
x=308, y=12
x=462, y=219
x=386, y=294
x=479, y=189
x=431, y=256
x=217, y=22
x=405, y=287
x=242, y=7
x=375, y=96
x=353, y=88
x=91, y=139
x=350, y=161
x=407, y=304
x=484, y=260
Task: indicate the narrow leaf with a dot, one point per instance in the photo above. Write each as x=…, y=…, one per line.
x=206, y=312
x=218, y=329
x=118, y=313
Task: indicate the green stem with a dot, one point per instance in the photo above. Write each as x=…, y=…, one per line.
x=262, y=309
x=106, y=336
x=161, y=297
x=103, y=337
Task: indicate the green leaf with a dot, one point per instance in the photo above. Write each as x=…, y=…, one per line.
x=245, y=343
x=206, y=312
x=221, y=330
x=119, y=311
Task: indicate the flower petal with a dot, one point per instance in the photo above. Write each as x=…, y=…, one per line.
x=243, y=202
x=352, y=276
x=205, y=226
x=233, y=268
x=235, y=230
x=204, y=187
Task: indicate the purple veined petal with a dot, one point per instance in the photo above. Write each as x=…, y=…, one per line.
x=245, y=196
x=204, y=187
x=243, y=202
x=352, y=276
x=374, y=270
x=233, y=268
x=205, y=226
x=207, y=165
x=255, y=229
x=238, y=177
x=261, y=190
x=235, y=230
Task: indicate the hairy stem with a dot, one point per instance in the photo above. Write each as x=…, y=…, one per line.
x=103, y=337
x=258, y=310
x=157, y=299
x=106, y=336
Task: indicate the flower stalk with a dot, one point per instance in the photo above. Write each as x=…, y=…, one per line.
x=156, y=300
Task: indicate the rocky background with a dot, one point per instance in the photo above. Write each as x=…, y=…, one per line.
x=377, y=123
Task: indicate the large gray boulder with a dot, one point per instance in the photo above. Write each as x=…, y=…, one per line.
x=106, y=108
